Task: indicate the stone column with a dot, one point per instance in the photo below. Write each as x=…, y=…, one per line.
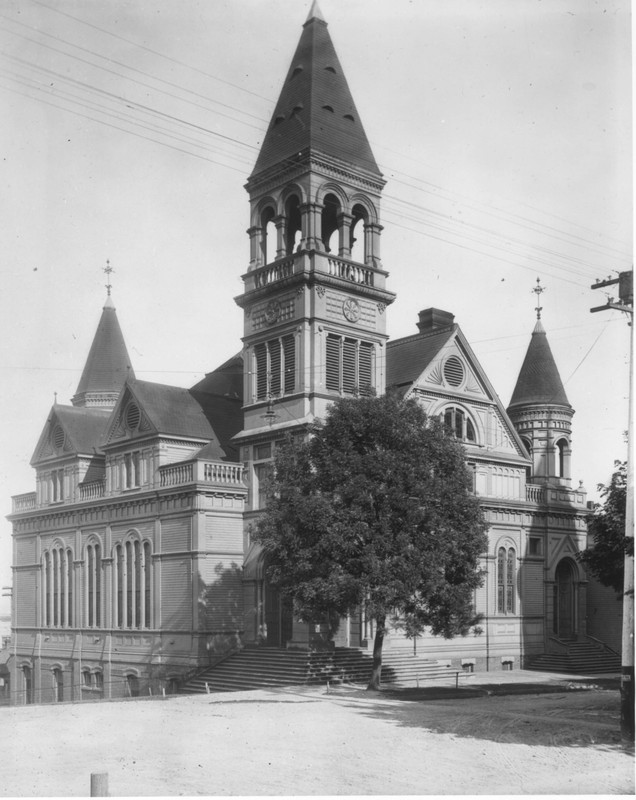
x=281, y=234
x=344, y=234
x=372, y=244
x=310, y=214
x=256, y=254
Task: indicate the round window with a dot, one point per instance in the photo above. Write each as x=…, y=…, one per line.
x=453, y=371
x=58, y=437
x=133, y=415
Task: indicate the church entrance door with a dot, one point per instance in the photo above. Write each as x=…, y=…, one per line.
x=278, y=618
x=564, y=600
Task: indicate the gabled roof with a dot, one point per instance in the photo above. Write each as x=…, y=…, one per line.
x=418, y=363
x=83, y=430
x=407, y=358
x=315, y=112
x=108, y=364
x=224, y=381
x=539, y=381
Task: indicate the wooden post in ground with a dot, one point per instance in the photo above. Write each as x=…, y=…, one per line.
x=99, y=784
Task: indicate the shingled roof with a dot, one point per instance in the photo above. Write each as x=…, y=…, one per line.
x=539, y=381
x=315, y=112
x=83, y=429
x=108, y=364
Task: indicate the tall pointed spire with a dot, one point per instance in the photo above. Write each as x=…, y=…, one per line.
x=539, y=380
x=315, y=113
x=108, y=364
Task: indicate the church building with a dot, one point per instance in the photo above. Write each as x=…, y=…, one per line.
x=133, y=567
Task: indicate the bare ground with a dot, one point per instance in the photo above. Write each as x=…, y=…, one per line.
x=525, y=739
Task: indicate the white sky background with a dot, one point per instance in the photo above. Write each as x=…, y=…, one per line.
x=503, y=129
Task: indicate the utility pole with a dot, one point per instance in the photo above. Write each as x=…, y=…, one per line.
x=626, y=304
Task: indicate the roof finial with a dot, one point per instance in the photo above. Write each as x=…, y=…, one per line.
x=315, y=12
x=54, y=398
x=538, y=290
x=108, y=270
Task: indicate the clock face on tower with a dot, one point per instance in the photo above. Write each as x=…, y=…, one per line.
x=351, y=309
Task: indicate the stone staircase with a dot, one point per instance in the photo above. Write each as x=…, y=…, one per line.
x=580, y=658
x=262, y=668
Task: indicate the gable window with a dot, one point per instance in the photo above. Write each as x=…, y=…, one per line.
x=349, y=365
x=133, y=584
x=506, y=578
x=57, y=587
x=275, y=367
x=459, y=424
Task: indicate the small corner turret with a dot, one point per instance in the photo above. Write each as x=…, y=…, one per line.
x=540, y=410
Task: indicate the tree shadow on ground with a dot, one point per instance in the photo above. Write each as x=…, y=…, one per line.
x=582, y=713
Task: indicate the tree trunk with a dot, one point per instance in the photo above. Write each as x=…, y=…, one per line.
x=376, y=674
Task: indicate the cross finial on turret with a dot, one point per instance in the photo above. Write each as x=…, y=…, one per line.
x=538, y=290
x=108, y=270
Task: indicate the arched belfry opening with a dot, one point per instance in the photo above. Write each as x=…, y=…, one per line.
x=330, y=217
x=357, y=234
x=268, y=236
x=293, y=224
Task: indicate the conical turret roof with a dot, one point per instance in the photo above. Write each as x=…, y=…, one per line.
x=108, y=363
x=539, y=381
x=315, y=112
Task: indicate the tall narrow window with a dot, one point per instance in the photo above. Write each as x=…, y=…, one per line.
x=289, y=355
x=129, y=584
x=147, y=585
x=93, y=585
x=506, y=579
x=56, y=587
x=46, y=589
x=133, y=585
x=70, y=617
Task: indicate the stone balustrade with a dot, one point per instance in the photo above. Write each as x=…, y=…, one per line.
x=535, y=494
x=348, y=271
x=273, y=272
x=92, y=491
x=24, y=502
x=218, y=473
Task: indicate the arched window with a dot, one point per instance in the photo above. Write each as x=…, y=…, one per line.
x=506, y=579
x=459, y=424
x=527, y=444
x=133, y=584
x=57, y=587
x=561, y=459
x=330, y=213
x=93, y=583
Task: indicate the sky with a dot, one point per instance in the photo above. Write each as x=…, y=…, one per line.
x=503, y=129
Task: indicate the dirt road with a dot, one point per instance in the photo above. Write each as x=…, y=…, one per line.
x=310, y=742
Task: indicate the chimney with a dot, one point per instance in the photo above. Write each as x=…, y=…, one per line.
x=433, y=318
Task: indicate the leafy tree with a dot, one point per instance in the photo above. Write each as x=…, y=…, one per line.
x=374, y=511
x=605, y=558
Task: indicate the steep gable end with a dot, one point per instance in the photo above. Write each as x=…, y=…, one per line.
x=71, y=431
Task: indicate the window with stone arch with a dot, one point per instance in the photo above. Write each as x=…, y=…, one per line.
x=93, y=580
x=459, y=424
x=57, y=587
x=132, y=583
x=506, y=580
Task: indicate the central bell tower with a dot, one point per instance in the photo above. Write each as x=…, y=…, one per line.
x=314, y=297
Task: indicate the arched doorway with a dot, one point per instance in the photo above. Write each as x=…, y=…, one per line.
x=565, y=600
